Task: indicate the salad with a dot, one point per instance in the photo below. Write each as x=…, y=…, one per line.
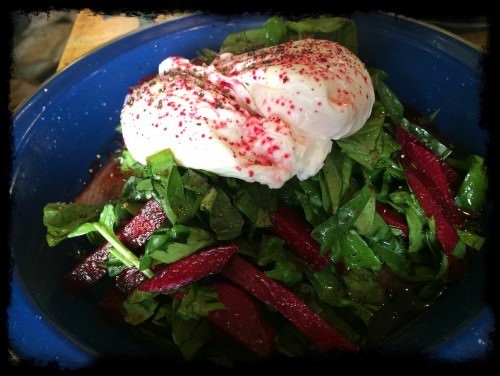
x=279, y=259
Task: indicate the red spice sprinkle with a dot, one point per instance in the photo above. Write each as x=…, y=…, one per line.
x=180, y=123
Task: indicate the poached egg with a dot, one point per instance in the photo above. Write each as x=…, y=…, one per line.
x=262, y=116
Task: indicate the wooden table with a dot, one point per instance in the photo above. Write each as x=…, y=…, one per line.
x=92, y=30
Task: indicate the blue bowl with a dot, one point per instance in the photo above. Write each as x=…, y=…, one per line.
x=73, y=117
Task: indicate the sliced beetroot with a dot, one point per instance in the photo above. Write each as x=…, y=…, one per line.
x=189, y=269
x=430, y=165
x=443, y=175
x=243, y=320
x=133, y=235
x=421, y=186
x=392, y=217
x=296, y=233
x=271, y=292
x=129, y=279
x=110, y=304
x=105, y=185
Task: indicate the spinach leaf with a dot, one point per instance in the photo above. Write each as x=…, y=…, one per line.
x=61, y=218
x=310, y=196
x=354, y=252
x=330, y=231
x=370, y=146
x=441, y=150
x=189, y=335
x=472, y=240
x=225, y=220
x=471, y=195
x=198, y=302
x=285, y=267
x=177, y=242
x=130, y=167
x=271, y=33
x=327, y=286
x=363, y=286
x=256, y=202
x=394, y=107
x=139, y=306
x=337, y=29
x=179, y=204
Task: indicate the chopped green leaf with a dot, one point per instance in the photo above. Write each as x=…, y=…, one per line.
x=169, y=245
x=394, y=107
x=61, y=218
x=139, y=306
x=225, y=220
x=330, y=231
x=472, y=192
x=441, y=150
x=198, y=302
x=285, y=267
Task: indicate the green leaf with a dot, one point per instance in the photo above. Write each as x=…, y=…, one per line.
x=441, y=150
x=206, y=55
x=472, y=240
x=394, y=107
x=163, y=316
x=256, y=202
x=178, y=204
x=415, y=218
x=225, y=220
x=310, y=196
x=285, y=267
x=333, y=178
x=114, y=265
x=108, y=217
x=139, y=306
x=471, y=195
x=198, y=302
x=333, y=229
x=337, y=29
x=328, y=287
x=364, y=222
x=189, y=335
x=176, y=243
x=130, y=167
x=356, y=253
x=363, y=286
x=271, y=33
x=137, y=189
x=195, y=182
x=83, y=229
x=367, y=145
x=60, y=219
x=388, y=247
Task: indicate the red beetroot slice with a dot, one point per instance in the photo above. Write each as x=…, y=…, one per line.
x=129, y=279
x=392, y=217
x=133, y=235
x=445, y=232
x=106, y=185
x=243, y=320
x=110, y=304
x=271, y=292
x=296, y=233
x=189, y=269
x=442, y=172
x=429, y=164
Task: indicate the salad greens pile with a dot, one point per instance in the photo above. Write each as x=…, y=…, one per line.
x=374, y=266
